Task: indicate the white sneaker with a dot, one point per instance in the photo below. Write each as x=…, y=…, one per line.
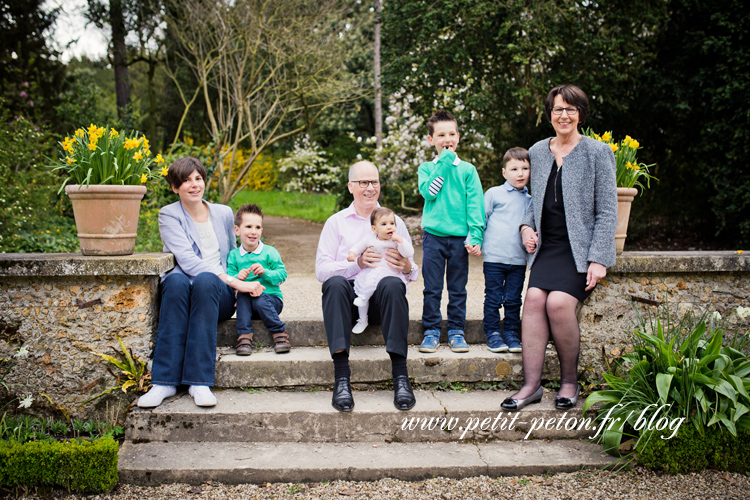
x=156, y=395
x=202, y=395
x=359, y=302
x=360, y=326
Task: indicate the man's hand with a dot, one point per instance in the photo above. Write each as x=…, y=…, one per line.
x=369, y=258
x=243, y=274
x=397, y=261
x=596, y=272
x=474, y=250
x=530, y=239
x=257, y=270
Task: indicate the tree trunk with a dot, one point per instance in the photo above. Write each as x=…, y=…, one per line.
x=120, y=58
x=376, y=70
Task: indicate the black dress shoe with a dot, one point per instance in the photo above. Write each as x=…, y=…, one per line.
x=342, y=395
x=567, y=403
x=511, y=404
x=403, y=396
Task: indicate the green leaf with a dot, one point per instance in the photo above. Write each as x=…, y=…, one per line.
x=663, y=381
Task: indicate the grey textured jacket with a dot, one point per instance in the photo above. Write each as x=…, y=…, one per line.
x=589, y=191
x=180, y=236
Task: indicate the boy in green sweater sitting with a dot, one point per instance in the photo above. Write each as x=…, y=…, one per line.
x=255, y=261
x=453, y=210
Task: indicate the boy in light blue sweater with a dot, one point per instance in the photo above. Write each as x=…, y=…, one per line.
x=504, y=254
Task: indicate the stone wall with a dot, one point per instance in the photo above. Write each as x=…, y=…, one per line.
x=697, y=281
x=63, y=308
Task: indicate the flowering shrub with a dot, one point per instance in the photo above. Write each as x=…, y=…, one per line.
x=629, y=171
x=104, y=156
x=309, y=167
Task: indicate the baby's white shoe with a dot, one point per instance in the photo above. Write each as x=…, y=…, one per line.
x=360, y=326
x=359, y=302
x=202, y=395
x=156, y=395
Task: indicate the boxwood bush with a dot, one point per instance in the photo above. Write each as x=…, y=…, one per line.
x=78, y=465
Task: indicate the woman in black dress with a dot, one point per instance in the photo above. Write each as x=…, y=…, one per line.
x=571, y=226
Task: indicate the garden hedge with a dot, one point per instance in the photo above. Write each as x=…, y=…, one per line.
x=79, y=466
x=688, y=451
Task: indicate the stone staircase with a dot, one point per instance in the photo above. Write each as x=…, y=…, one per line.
x=274, y=421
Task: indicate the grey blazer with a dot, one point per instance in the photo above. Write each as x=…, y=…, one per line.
x=180, y=236
x=589, y=191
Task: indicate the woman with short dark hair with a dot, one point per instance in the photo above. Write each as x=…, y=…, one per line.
x=570, y=228
x=197, y=293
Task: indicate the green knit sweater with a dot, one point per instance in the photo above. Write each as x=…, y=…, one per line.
x=457, y=206
x=269, y=258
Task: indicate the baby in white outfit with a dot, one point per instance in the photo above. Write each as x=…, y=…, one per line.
x=384, y=236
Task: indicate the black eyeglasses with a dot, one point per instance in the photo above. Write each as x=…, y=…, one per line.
x=571, y=111
x=363, y=184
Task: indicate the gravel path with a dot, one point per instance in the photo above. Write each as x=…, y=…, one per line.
x=639, y=483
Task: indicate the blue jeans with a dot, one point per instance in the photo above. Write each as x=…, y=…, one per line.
x=185, y=351
x=503, y=284
x=444, y=256
x=265, y=307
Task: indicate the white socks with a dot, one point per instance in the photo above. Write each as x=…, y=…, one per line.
x=202, y=395
x=156, y=395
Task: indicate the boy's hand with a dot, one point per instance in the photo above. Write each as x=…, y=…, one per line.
x=474, y=250
x=351, y=257
x=397, y=238
x=369, y=258
x=243, y=274
x=530, y=239
x=257, y=270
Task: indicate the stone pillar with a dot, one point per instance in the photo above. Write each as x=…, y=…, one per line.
x=65, y=307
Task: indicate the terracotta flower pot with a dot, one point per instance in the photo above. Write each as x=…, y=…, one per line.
x=106, y=217
x=624, y=199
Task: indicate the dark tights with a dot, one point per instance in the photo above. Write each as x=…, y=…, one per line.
x=546, y=313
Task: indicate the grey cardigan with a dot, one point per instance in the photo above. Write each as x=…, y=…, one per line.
x=180, y=236
x=589, y=191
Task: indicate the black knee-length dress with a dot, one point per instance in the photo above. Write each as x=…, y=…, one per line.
x=554, y=268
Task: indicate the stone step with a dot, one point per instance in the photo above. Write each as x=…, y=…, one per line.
x=311, y=332
x=155, y=463
x=312, y=366
x=308, y=417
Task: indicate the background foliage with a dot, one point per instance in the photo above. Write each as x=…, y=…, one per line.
x=672, y=74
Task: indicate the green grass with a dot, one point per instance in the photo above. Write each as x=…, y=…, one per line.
x=309, y=206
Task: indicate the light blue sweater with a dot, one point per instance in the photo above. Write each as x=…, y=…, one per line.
x=504, y=208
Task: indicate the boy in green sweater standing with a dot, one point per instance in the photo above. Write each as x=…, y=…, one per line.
x=255, y=261
x=453, y=209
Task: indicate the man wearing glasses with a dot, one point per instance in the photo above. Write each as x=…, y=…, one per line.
x=388, y=305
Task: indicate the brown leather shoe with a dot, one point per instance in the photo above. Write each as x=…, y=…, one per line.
x=245, y=344
x=281, y=342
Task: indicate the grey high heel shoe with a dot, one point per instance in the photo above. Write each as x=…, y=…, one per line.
x=511, y=404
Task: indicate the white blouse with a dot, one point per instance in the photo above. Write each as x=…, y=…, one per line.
x=209, y=245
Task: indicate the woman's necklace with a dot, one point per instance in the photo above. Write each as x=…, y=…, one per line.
x=557, y=176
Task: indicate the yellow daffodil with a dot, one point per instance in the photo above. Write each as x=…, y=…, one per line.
x=137, y=156
x=132, y=143
x=144, y=178
x=145, y=143
x=92, y=129
x=159, y=159
x=100, y=131
x=146, y=152
x=70, y=160
x=164, y=171
x=80, y=132
x=740, y=252
x=614, y=147
x=68, y=145
x=92, y=146
x=634, y=143
x=113, y=133
x=606, y=136
x=634, y=167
